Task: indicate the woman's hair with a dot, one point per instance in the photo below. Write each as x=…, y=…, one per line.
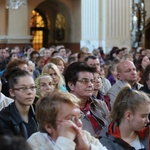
x=56, y=60
x=11, y=65
x=146, y=73
x=47, y=107
x=15, y=75
x=139, y=62
x=55, y=68
x=37, y=82
x=127, y=99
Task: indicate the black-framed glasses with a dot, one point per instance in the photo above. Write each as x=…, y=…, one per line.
x=25, y=89
x=86, y=81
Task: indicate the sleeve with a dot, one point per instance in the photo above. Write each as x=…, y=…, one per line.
x=37, y=142
x=63, y=143
x=95, y=143
x=6, y=127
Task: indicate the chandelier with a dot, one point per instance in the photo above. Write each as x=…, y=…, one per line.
x=15, y=4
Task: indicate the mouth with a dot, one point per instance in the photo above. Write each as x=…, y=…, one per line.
x=30, y=99
x=89, y=90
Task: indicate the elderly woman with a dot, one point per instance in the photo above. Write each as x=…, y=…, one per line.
x=44, y=84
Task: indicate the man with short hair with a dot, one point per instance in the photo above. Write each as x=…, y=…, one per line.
x=79, y=81
x=93, y=61
x=126, y=75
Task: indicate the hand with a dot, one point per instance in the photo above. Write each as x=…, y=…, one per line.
x=66, y=128
x=81, y=142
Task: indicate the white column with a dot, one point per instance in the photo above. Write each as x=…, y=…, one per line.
x=90, y=23
x=105, y=23
x=18, y=26
x=118, y=23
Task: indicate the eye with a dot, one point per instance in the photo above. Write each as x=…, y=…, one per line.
x=32, y=87
x=23, y=88
x=85, y=80
x=73, y=118
x=43, y=85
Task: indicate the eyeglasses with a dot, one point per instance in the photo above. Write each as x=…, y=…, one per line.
x=73, y=118
x=86, y=81
x=25, y=89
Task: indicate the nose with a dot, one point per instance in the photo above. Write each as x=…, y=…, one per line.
x=79, y=123
x=147, y=119
x=90, y=83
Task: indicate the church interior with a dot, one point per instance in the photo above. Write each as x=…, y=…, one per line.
x=75, y=23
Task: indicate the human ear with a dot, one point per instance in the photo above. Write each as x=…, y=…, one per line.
x=11, y=91
x=48, y=128
x=71, y=86
x=128, y=115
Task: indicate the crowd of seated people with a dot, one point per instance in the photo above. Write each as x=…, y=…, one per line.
x=76, y=101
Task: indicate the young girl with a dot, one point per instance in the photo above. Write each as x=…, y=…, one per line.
x=18, y=118
x=54, y=72
x=129, y=128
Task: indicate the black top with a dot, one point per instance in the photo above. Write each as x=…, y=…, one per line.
x=12, y=124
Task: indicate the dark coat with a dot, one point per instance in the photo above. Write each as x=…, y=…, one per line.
x=12, y=124
x=145, y=89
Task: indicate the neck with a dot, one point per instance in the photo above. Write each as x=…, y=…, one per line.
x=132, y=83
x=95, y=93
x=23, y=111
x=83, y=99
x=126, y=133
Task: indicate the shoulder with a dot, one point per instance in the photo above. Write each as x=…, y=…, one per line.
x=10, y=113
x=37, y=141
x=35, y=137
x=4, y=101
x=118, y=85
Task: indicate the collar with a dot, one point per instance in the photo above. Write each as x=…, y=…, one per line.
x=113, y=129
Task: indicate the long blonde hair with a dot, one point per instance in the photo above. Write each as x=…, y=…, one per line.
x=55, y=68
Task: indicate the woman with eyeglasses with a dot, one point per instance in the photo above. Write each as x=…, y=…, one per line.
x=18, y=118
x=60, y=126
x=129, y=129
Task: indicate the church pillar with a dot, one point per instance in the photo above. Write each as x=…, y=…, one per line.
x=105, y=23
x=18, y=26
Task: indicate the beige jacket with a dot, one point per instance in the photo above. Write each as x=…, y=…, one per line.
x=41, y=141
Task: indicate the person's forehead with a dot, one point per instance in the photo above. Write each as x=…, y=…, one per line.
x=71, y=110
x=46, y=79
x=126, y=66
x=85, y=73
x=29, y=80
